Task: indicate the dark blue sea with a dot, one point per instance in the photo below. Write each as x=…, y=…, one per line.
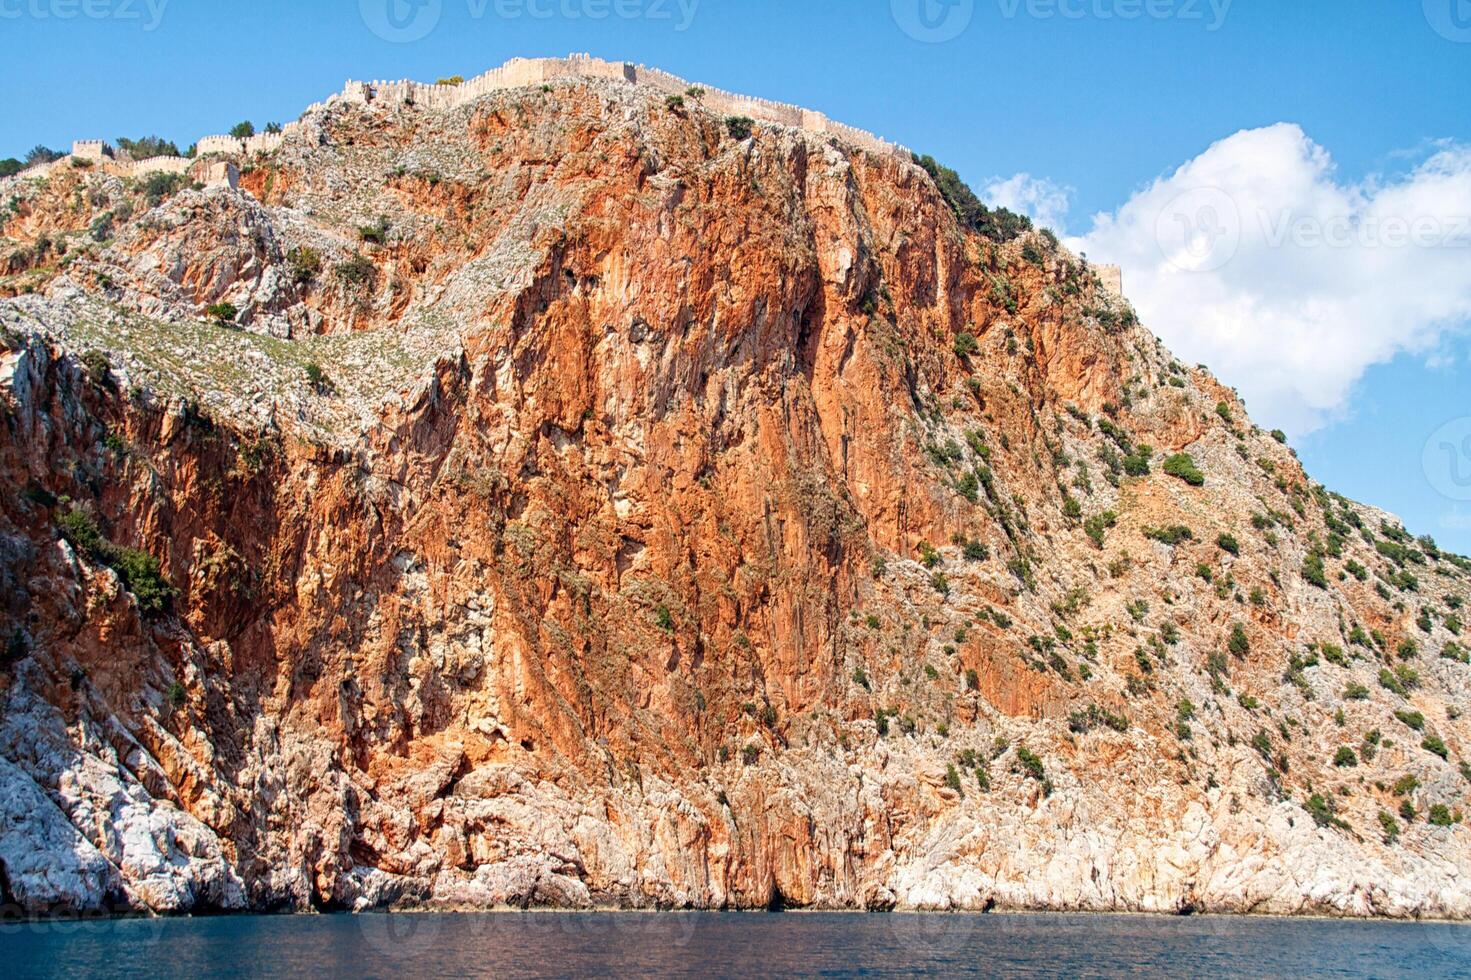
x=557, y=944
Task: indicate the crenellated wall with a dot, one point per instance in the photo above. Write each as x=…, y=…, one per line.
x=521, y=72
x=1112, y=278
x=516, y=73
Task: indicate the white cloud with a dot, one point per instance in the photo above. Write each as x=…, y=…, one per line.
x=1254, y=258
x=1038, y=198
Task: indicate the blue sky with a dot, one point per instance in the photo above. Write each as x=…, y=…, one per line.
x=1092, y=100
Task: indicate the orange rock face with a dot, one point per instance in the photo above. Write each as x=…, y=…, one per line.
x=584, y=506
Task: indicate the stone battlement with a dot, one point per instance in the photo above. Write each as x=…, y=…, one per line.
x=1112, y=278
x=516, y=73
x=209, y=173
x=522, y=72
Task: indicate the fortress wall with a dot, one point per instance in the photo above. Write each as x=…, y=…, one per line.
x=90, y=149
x=523, y=72
x=516, y=73
x=219, y=144
x=35, y=170
x=153, y=165
x=1112, y=278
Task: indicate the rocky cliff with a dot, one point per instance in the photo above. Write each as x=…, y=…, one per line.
x=573, y=497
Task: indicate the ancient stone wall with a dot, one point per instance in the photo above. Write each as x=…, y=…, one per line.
x=1112, y=278
x=521, y=72
x=516, y=73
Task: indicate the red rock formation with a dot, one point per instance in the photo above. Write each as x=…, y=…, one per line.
x=643, y=515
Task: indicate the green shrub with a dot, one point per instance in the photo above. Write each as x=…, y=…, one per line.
x=1439, y=815
x=1097, y=526
x=175, y=695
x=1322, y=812
x=1238, y=644
x=1182, y=467
x=1279, y=435
x=141, y=572
x=860, y=677
x=144, y=578
x=1345, y=757
x=1356, y=692
x=1389, y=825
x=965, y=344
x=952, y=779
x=1172, y=535
x=1433, y=743
x=998, y=224
x=222, y=312
x=377, y=232
x=1228, y=544
x=1313, y=571
x=315, y=375
x=663, y=618
x=1413, y=719
x=674, y=103
x=1031, y=764
x=81, y=532
x=1390, y=682
x=99, y=368
x=969, y=487
x=356, y=271
x=101, y=227
x=739, y=127
x=305, y=262
x=1137, y=462
x=243, y=130
x=148, y=147
x=158, y=186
